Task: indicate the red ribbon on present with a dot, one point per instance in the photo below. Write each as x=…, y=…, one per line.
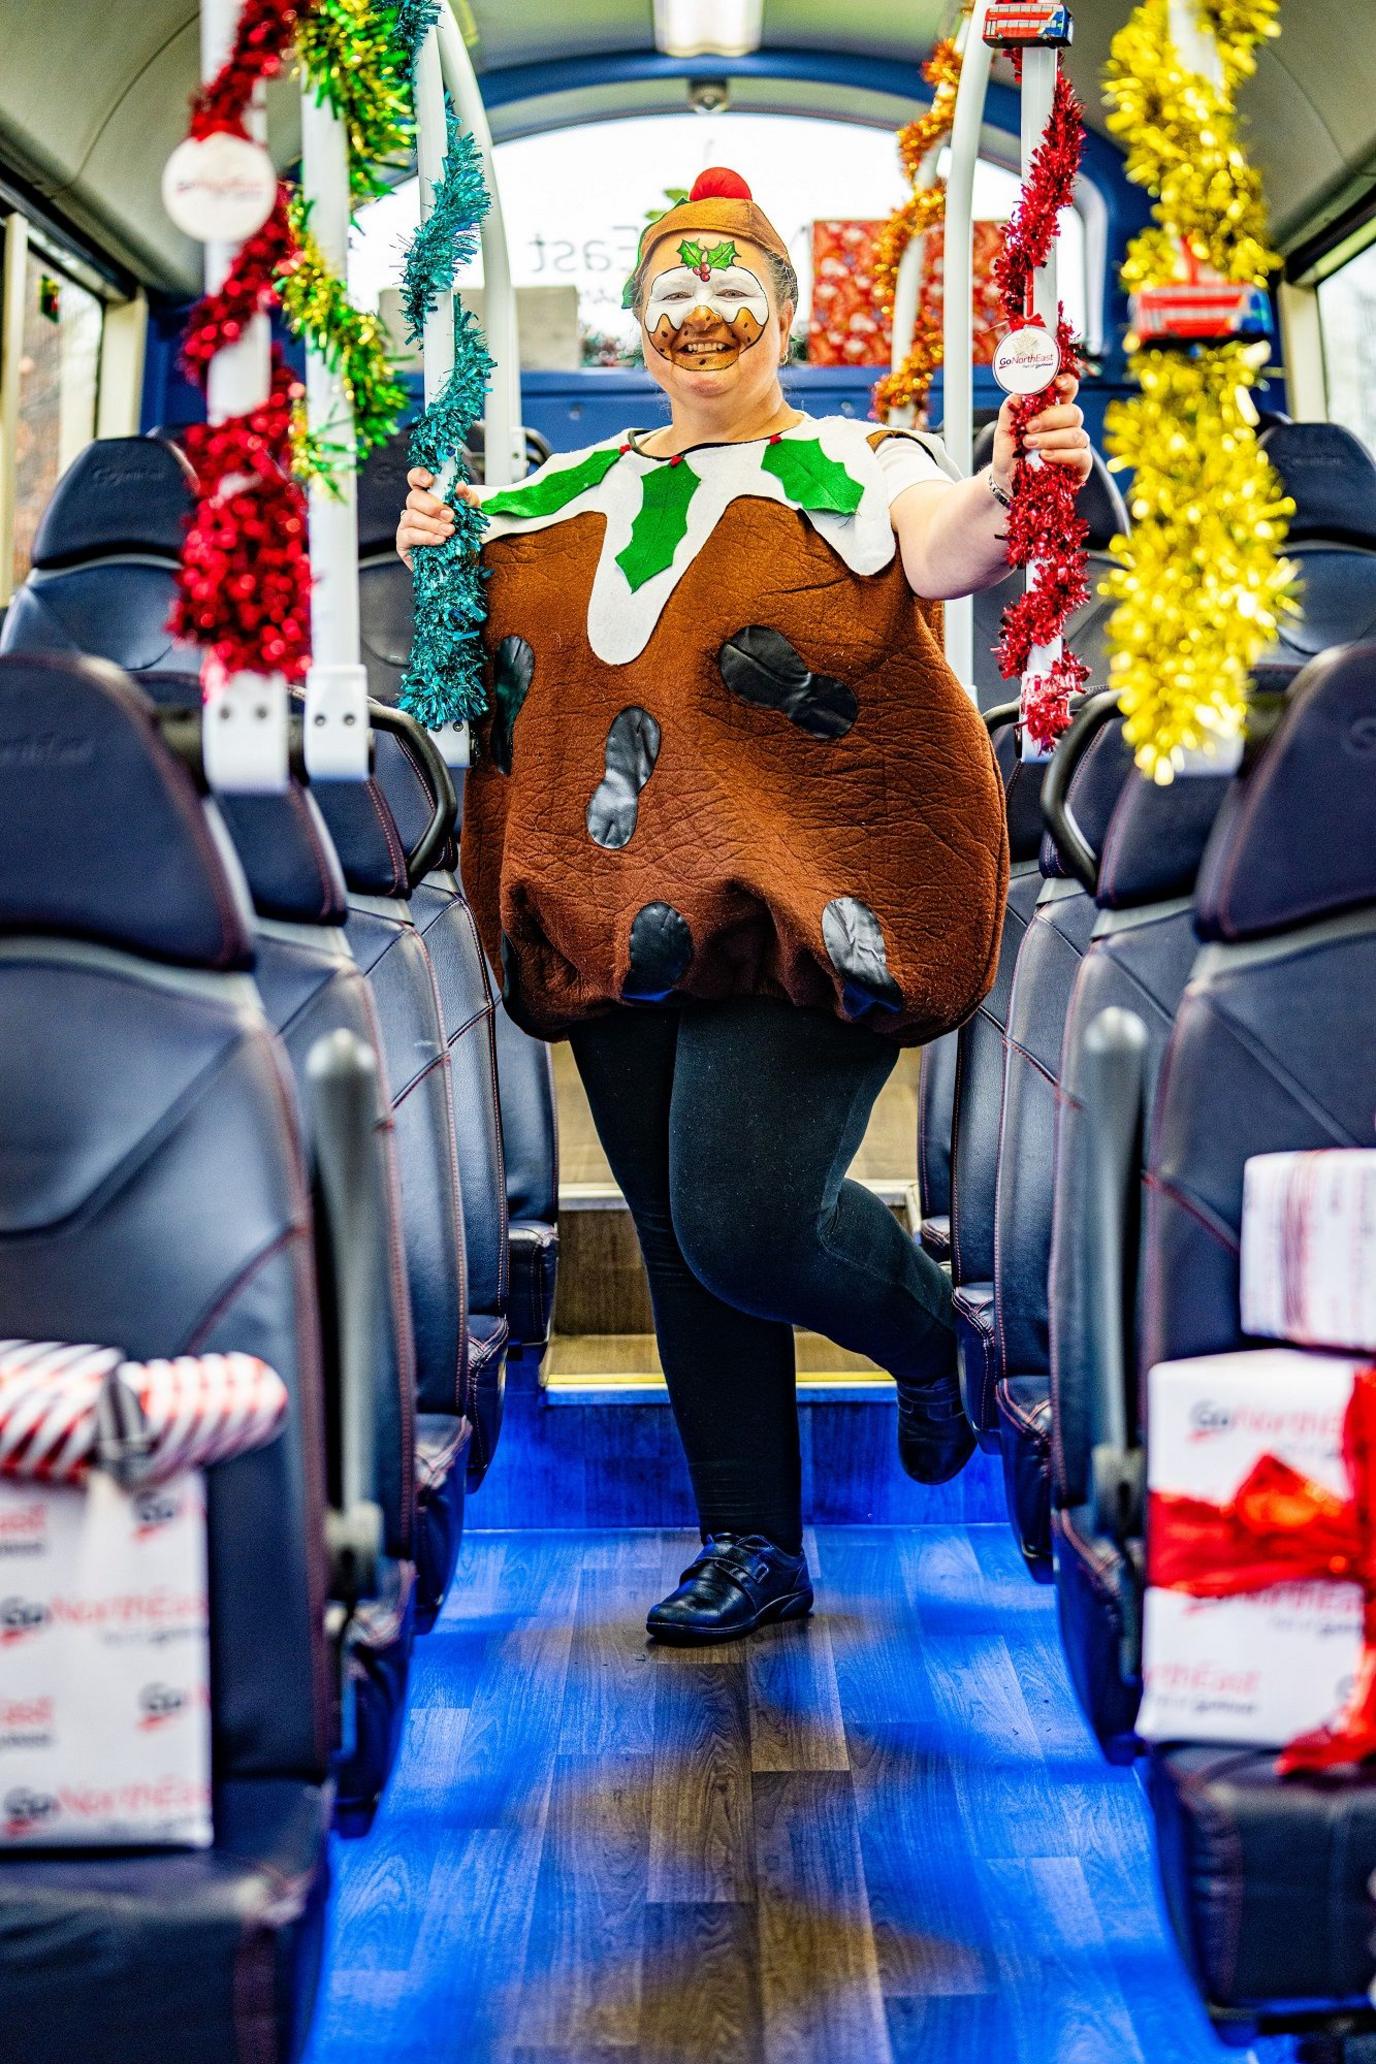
x=1283, y=1528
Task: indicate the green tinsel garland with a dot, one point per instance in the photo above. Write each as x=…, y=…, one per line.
x=448, y=237
x=443, y=683
x=352, y=343
x=350, y=51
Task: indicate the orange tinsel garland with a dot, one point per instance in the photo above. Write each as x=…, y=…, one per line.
x=923, y=210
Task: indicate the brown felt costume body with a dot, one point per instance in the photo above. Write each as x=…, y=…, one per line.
x=853, y=862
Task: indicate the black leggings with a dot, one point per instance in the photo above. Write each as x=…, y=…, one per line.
x=730, y=1127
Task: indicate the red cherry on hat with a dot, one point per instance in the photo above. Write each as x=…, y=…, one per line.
x=718, y=183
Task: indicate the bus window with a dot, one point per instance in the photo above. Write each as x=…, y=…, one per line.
x=575, y=207
x=1347, y=319
x=59, y=380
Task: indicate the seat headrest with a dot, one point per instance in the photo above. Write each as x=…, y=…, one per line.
x=1095, y=787
x=1293, y=839
x=381, y=494
x=365, y=836
x=287, y=855
x=1331, y=478
x=1156, y=839
x=1022, y=792
x=122, y=494
x=103, y=835
x=1098, y=501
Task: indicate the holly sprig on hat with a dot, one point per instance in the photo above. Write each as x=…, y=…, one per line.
x=702, y=261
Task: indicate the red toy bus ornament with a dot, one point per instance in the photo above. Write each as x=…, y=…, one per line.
x=1028, y=24
x=1200, y=308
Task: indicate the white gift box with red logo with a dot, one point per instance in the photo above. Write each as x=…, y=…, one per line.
x=1309, y=1248
x=104, y=1664
x=1260, y=1668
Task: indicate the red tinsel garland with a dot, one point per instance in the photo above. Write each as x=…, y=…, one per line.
x=243, y=591
x=1045, y=529
x=261, y=41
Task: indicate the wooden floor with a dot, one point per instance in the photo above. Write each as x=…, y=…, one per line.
x=880, y=1836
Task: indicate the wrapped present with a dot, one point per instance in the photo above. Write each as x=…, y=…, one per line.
x=847, y=325
x=104, y=1613
x=1261, y=1555
x=1309, y=1248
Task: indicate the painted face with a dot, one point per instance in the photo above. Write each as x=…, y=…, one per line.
x=704, y=312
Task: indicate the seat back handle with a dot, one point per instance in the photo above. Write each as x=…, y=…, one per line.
x=1077, y=854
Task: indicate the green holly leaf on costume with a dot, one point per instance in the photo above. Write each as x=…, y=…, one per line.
x=809, y=478
x=690, y=253
x=659, y=527
x=720, y=256
x=553, y=491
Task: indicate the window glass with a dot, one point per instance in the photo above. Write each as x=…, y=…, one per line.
x=1347, y=318
x=575, y=201
x=59, y=378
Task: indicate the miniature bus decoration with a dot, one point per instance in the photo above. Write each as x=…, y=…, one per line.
x=1028, y=24
x=1201, y=308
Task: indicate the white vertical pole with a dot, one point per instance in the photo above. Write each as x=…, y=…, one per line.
x=958, y=345
x=504, y=434
x=245, y=728
x=1198, y=48
x=907, y=286
x=337, y=684
x=1039, y=68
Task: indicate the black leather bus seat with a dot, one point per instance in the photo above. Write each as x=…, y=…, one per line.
x=1139, y=959
x=153, y=1196
x=1103, y=508
x=310, y=986
x=387, y=946
x=105, y=558
x=1331, y=477
x=524, y=1071
x=467, y=1010
x=1024, y=1189
x=977, y=1093
x=1271, y=1051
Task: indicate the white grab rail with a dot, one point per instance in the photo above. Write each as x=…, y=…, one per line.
x=337, y=725
x=959, y=325
x=504, y=435
x=1039, y=69
x=245, y=726
x=907, y=286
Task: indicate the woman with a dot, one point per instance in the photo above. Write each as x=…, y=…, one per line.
x=735, y=830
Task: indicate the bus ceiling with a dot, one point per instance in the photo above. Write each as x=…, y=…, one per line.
x=88, y=116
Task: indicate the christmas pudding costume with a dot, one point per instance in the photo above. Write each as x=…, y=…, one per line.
x=724, y=754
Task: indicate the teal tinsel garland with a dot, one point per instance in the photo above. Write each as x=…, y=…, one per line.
x=414, y=21
x=448, y=237
x=443, y=683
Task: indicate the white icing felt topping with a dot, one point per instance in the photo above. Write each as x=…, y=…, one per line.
x=621, y=620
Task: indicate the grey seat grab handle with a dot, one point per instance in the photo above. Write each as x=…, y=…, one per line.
x=342, y=1074
x=1077, y=854
x=1113, y=1074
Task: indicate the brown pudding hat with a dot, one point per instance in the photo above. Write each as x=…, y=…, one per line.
x=720, y=205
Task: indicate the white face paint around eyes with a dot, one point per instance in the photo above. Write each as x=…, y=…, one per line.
x=680, y=290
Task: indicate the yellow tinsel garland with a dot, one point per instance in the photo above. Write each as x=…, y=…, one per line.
x=1180, y=133
x=1200, y=583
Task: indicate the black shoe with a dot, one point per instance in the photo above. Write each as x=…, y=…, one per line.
x=737, y=1583
x=935, y=1439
